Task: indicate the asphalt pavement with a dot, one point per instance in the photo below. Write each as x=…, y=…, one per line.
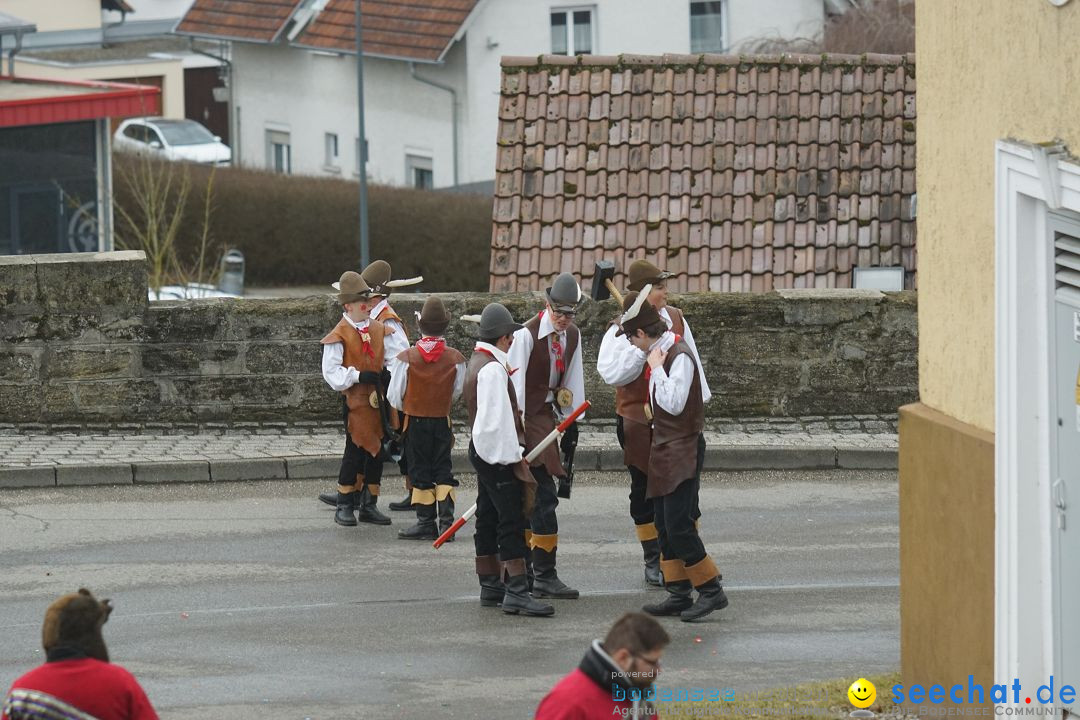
x=243, y=599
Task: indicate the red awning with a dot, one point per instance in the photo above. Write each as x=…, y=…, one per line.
x=25, y=101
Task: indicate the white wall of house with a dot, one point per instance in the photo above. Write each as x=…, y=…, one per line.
x=307, y=95
x=56, y=15
x=640, y=27
x=170, y=71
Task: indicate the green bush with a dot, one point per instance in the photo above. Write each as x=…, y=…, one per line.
x=296, y=230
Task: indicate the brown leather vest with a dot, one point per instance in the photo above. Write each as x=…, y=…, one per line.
x=630, y=399
x=429, y=391
x=476, y=363
x=388, y=313
x=539, y=413
x=538, y=372
x=673, y=456
x=365, y=424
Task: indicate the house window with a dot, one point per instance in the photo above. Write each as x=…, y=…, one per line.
x=707, y=26
x=278, y=151
x=571, y=31
x=418, y=172
x=331, y=143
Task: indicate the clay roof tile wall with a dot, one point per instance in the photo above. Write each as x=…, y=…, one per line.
x=733, y=173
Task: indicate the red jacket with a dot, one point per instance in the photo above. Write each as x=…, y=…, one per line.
x=589, y=693
x=100, y=689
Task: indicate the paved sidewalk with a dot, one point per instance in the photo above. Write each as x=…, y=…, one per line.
x=39, y=456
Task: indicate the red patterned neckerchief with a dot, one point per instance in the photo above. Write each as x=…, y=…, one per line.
x=556, y=347
x=509, y=370
x=648, y=368
x=430, y=348
x=365, y=338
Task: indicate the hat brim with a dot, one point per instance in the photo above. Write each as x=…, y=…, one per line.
x=560, y=304
x=435, y=327
x=636, y=286
x=498, y=331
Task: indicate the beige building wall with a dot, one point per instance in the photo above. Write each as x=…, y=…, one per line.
x=987, y=69
x=50, y=15
x=171, y=72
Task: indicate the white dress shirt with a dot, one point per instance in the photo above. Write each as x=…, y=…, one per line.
x=573, y=377
x=395, y=342
x=670, y=390
x=619, y=362
x=334, y=372
x=399, y=382
x=494, y=433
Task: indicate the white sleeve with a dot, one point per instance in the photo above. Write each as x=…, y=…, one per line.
x=670, y=391
x=618, y=362
x=518, y=357
x=394, y=343
x=706, y=393
x=336, y=376
x=494, y=433
x=575, y=381
x=399, y=381
x=459, y=380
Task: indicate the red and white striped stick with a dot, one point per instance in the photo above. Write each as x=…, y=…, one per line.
x=553, y=436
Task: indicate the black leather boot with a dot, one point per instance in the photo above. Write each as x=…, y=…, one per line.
x=488, y=570
x=345, y=509
x=678, y=600
x=446, y=516
x=330, y=498
x=517, y=598
x=546, y=582
x=368, y=512
x=710, y=597
x=424, y=529
x=406, y=503
x=651, y=550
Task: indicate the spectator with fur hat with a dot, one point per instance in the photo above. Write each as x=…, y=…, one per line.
x=77, y=681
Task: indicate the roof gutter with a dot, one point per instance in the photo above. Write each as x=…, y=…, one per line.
x=453, y=109
x=11, y=53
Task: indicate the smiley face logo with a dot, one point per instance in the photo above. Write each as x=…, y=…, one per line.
x=862, y=693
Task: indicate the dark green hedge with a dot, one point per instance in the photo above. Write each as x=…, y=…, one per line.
x=296, y=230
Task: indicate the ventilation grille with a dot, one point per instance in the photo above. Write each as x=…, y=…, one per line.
x=1067, y=268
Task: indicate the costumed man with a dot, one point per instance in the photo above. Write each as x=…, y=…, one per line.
x=676, y=410
x=549, y=385
x=378, y=277
x=623, y=366
x=354, y=356
x=505, y=487
x=425, y=380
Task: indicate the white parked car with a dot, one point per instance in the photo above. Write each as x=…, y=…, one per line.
x=191, y=291
x=172, y=139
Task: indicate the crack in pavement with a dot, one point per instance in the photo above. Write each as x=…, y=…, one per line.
x=45, y=524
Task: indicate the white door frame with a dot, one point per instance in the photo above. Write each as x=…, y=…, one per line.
x=1029, y=185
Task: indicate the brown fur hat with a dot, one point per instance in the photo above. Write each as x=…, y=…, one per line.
x=75, y=621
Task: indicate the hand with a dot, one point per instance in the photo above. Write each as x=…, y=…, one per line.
x=656, y=358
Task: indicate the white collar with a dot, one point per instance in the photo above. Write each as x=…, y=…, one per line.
x=664, y=342
x=362, y=325
x=664, y=314
x=377, y=310
x=495, y=352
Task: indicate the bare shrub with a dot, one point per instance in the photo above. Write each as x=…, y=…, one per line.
x=870, y=26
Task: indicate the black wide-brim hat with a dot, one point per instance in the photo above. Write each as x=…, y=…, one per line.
x=496, y=321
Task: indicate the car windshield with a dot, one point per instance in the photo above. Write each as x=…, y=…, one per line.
x=184, y=132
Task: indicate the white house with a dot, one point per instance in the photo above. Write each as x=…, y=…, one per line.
x=431, y=70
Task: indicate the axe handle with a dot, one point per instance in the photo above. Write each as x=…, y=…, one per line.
x=614, y=292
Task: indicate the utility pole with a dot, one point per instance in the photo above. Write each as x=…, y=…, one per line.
x=365, y=248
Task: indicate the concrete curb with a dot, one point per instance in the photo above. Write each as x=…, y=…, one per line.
x=309, y=467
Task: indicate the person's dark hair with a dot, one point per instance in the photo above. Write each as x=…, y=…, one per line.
x=495, y=340
x=655, y=330
x=637, y=633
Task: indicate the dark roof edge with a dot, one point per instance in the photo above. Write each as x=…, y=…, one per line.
x=708, y=59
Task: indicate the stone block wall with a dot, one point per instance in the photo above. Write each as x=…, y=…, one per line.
x=80, y=343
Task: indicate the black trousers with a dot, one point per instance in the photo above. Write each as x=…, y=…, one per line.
x=641, y=507
x=543, y=520
x=358, y=461
x=675, y=516
x=500, y=524
x=428, y=442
